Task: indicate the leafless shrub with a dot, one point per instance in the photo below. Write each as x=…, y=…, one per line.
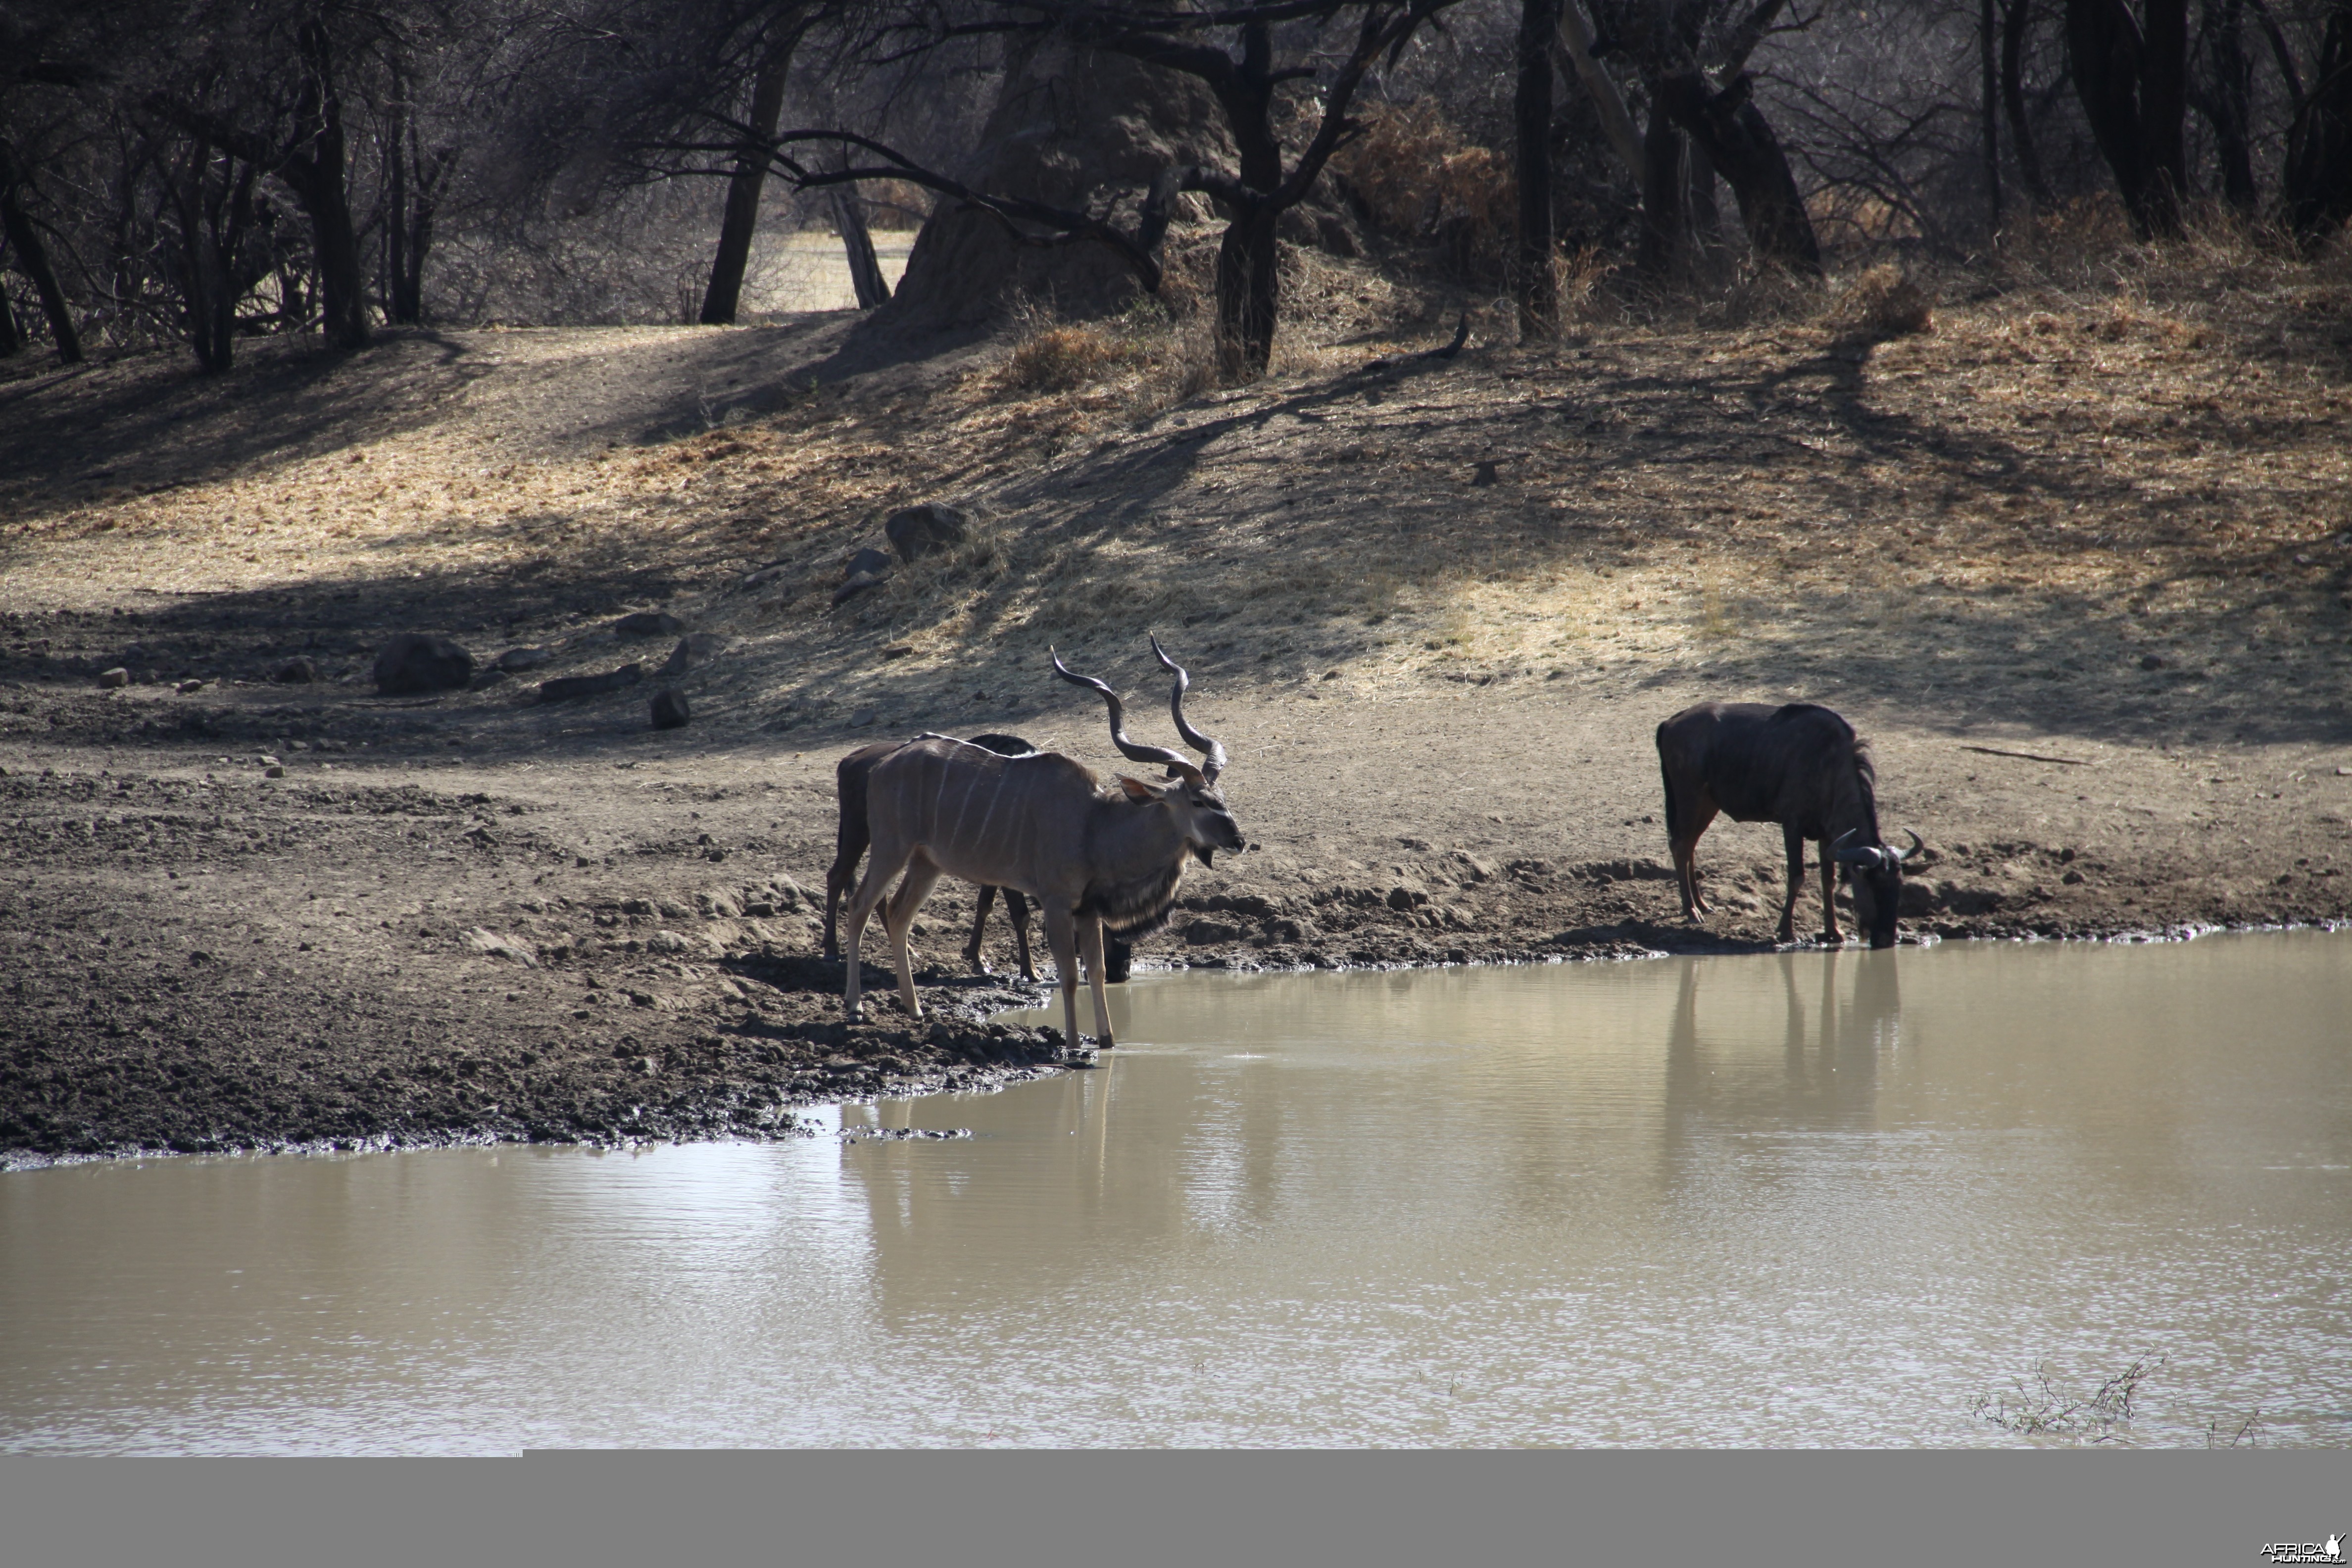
x=2042, y=1410
x=1879, y=304
x=1419, y=177
x=1062, y=359
x=2245, y=1434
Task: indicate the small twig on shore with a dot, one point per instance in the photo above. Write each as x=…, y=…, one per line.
x=2029, y=756
x=2244, y=1432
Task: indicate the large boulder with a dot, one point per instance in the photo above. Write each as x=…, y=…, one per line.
x=1072, y=127
x=414, y=662
x=926, y=529
x=648, y=623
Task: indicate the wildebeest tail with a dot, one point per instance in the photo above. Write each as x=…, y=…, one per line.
x=1666, y=773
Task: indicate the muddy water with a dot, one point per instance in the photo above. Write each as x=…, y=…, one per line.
x=1791, y=1199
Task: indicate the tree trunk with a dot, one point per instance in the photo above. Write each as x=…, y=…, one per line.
x=1247, y=275
x=2317, y=182
x=429, y=178
x=864, y=267
x=1657, y=253
x=396, y=209
x=2228, y=101
x=1710, y=257
x=209, y=302
x=2013, y=89
x=2164, y=112
x=2132, y=88
x=721, y=300
x=1988, y=110
x=1575, y=46
x=12, y=339
x=33, y=259
x=1734, y=133
x=317, y=179
x=1538, y=286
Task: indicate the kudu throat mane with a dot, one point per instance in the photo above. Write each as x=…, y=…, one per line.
x=1137, y=906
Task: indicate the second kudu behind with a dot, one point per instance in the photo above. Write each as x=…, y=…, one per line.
x=851, y=837
x=1092, y=856
x=1801, y=766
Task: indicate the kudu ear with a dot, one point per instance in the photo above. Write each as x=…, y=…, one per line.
x=1137, y=791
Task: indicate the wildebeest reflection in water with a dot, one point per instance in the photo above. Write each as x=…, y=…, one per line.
x=1831, y=1049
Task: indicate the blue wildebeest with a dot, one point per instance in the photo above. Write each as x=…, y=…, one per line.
x=851, y=837
x=1801, y=766
x=1092, y=856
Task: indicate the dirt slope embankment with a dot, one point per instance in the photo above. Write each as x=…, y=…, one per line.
x=2080, y=577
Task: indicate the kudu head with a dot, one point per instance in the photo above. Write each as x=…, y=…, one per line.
x=1189, y=794
x=1876, y=874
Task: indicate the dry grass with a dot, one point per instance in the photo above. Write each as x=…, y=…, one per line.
x=1062, y=359
x=2059, y=484
x=1880, y=304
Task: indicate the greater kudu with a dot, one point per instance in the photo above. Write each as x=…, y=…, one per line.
x=1092, y=856
x=851, y=837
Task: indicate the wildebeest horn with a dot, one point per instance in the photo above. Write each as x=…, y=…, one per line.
x=1118, y=720
x=1208, y=749
x=1859, y=855
x=1917, y=845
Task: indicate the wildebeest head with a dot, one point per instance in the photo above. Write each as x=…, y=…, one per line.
x=1875, y=872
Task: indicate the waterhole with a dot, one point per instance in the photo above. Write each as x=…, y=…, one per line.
x=1839, y=1199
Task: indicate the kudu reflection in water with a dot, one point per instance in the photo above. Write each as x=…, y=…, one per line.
x=1093, y=856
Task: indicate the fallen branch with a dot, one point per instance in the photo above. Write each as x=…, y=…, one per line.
x=2029, y=756
x=565, y=688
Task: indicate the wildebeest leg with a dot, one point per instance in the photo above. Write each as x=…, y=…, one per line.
x=1061, y=941
x=1090, y=937
x=1016, y=910
x=898, y=918
x=861, y=908
x=1830, y=931
x=1681, y=837
x=1796, y=843
x=979, y=924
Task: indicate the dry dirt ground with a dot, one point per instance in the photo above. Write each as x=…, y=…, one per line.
x=2077, y=563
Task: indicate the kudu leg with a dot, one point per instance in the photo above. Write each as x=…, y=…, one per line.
x=899, y=919
x=1796, y=846
x=971, y=958
x=838, y=878
x=1062, y=940
x=861, y=908
x=1090, y=937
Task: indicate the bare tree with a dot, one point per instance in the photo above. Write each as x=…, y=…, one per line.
x=2131, y=73
x=2318, y=195
x=32, y=257
x=1539, y=288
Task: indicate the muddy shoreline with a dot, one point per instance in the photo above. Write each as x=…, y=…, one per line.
x=382, y=954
